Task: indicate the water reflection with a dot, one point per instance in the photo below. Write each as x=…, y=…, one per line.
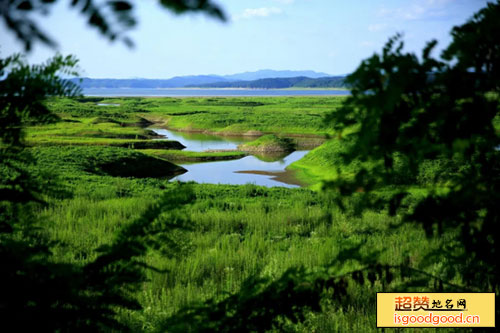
x=262, y=169
x=246, y=170
x=201, y=141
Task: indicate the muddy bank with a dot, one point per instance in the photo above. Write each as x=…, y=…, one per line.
x=287, y=176
x=191, y=157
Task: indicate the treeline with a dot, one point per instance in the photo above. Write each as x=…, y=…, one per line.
x=176, y=82
x=281, y=83
x=214, y=82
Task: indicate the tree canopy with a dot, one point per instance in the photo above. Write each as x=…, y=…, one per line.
x=112, y=18
x=423, y=111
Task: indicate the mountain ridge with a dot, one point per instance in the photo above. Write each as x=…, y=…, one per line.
x=280, y=83
x=194, y=80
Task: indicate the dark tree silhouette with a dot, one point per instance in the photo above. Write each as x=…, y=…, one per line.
x=441, y=112
x=112, y=18
x=37, y=293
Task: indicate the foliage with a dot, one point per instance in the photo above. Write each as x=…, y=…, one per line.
x=41, y=294
x=426, y=110
x=23, y=91
x=112, y=18
x=38, y=292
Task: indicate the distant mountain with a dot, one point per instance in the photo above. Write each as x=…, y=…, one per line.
x=281, y=83
x=270, y=83
x=182, y=81
x=175, y=82
x=269, y=73
x=198, y=80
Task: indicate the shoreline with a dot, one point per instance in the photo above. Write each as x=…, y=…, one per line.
x=247, y=133
x=215, y=92
x=228, y=88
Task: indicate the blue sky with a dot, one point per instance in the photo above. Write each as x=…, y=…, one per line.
x=330, y=36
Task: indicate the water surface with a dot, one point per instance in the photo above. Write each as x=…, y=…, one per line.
x=239, y=172
x=180, y=92
x=201, y=141
x=267, y=170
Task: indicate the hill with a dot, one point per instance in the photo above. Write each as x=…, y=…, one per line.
x=193, y=80
x=281, y=83
x=175, y=82
x=269, y=73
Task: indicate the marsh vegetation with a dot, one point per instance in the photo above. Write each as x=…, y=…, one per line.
x=400, y=192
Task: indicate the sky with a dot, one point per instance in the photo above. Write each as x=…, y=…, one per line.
x=330, y=36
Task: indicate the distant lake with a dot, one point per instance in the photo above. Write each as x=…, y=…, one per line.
x=179, y=92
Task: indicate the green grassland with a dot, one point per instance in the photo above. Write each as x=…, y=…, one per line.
x=101, y=161
x=322, y=163
x=268, y=143
x=234, y=232
x=281, y=115
x=97, y=131
x=122, y=122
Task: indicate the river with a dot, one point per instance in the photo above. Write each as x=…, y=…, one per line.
x=263, y=170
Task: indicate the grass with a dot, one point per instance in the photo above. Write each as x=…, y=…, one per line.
x=75, y=141
x=235, y=231
x=95, y=127
x=280, y=115
x=321, y=163
x=193, y=156
x=120, y=162
x=268, y=143
x=96, y=131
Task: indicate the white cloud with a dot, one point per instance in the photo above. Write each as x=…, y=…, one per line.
x=377, y=27
x=258, y=12
x=417, y=9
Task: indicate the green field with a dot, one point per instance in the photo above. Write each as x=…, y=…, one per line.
x=281, y=115
x=234, y=232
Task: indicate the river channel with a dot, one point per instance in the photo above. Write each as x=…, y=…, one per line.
x=267, y=171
